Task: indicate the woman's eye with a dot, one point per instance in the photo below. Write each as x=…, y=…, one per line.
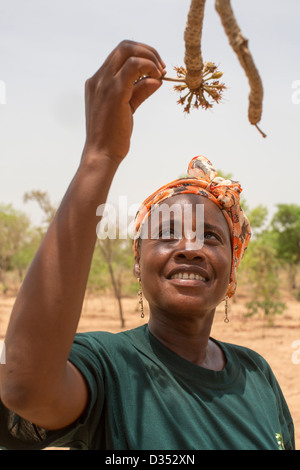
x=167, y=233
x=211, y=236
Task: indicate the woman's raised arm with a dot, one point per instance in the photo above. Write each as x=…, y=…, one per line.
x=37, y=381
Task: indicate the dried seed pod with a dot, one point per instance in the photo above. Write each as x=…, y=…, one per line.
x=195, y=80
x=192, y=37
x=240, y=46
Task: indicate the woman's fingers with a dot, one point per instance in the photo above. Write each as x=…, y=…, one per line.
x=129, y=49
x=143, y=89
x=124, y=67
x=135, y=68
x=139, y=78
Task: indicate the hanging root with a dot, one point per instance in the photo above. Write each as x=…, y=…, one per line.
x=200, y=81
x=209, y=90
x=240, y=47
x=192, y=37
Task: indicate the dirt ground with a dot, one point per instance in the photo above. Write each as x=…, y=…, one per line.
x=276, y=344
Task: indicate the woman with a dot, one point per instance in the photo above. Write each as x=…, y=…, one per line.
x=166, y=385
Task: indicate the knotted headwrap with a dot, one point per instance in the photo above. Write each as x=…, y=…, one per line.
x=225, y=193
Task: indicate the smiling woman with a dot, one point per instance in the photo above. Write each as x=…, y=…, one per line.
x=204, y=182
x=187, y=264
x=166, y=385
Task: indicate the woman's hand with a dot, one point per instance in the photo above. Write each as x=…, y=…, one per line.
x=115, y=92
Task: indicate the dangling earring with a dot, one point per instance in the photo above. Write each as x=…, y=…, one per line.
x=226, y=319
x=140, y=295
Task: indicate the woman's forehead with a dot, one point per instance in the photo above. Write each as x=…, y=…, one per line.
x=194, y=204
x=187, y=209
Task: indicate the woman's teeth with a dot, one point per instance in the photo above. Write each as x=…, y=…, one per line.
x=188, y=276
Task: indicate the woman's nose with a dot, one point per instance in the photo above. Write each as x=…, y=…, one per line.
x=190, y=249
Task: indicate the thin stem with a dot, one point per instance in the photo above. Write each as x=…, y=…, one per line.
x=213, y=86
x=205, y=74
x=211, y=77
x=172, y=79
x=262, y=133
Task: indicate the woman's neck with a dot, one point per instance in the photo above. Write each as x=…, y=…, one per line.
x=190, y=339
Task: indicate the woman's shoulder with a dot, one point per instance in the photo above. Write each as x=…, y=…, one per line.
x=99, y=340
x=247, y=356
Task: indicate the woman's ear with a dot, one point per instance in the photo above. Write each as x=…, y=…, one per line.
x=136, y=267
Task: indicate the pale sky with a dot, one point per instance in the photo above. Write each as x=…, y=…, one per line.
x=49, y=48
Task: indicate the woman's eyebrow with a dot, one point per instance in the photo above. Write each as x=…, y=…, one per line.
x=213, y=227
x=218, y=229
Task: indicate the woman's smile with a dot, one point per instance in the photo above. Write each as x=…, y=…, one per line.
x=188, y=276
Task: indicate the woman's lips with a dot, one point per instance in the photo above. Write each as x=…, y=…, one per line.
x=185, y=274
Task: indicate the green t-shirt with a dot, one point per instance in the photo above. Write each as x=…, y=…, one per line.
x=145, y=397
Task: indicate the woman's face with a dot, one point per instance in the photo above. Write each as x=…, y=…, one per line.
x=180, y=273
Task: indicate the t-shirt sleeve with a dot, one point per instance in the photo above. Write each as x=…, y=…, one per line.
x=18, y=433
x=285, y=439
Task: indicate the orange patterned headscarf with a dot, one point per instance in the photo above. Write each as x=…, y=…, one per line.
x=203, y=180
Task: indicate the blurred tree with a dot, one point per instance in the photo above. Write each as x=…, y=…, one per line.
x=25, y=254
x=118, y=256
x=43, y=200
x=286, y=226
x=98, y=280
x=262, y=271
x=257, y=218
x=261, y=267
x=14, y=226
